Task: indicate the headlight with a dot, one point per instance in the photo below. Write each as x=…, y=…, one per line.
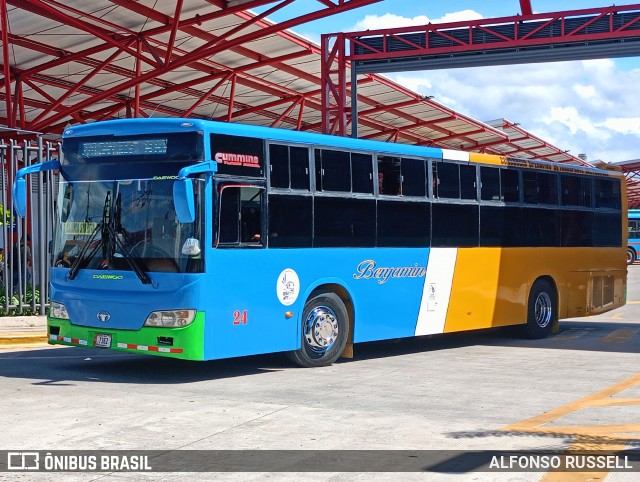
x=170, y=318
x=58, y=310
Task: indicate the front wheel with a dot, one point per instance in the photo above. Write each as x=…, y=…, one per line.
x=325, y=329
x=631, y=256
x=542, y=310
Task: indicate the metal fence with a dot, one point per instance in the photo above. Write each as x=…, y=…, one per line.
x=24, y=242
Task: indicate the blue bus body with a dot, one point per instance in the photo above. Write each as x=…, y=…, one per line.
x=252, y=297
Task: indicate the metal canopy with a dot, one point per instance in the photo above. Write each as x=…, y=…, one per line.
x=631, y=170
x=87, y=60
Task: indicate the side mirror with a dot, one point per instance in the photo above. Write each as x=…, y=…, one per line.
x=20, y=184
x=183, y=197
x=183, y=200
x=20, y=196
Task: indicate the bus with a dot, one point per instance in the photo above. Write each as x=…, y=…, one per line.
x=203, y=240
x=633, y=246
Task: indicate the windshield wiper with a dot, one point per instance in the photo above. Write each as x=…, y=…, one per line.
x=115, y=229
x=75, y=266
x=110, y=227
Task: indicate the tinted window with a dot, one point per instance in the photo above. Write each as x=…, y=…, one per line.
x=290, y=221
x=608, y=230
x=608, y=193
x=446, y=180
x=289, y=167
x=414, y=179
x=539, y=187
x=468, y=182
x=344, y=222
x=541, y=227
x=403, y=223
x=335, y=171
x=510, y=185
x=501, y=226
x=362, y=173
x=299, y=167
x=576, y=228
x=279, y=161
x=240, y=215
x=454, y=225
x=575, y=190
x=490, y=184
x=389, y=175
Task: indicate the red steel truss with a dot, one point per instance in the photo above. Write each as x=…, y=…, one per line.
x=587, y=33
x=38, y=98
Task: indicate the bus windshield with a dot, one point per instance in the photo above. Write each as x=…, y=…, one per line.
x=125, y=225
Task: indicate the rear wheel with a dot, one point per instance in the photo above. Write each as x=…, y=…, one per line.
x=325, y=329
x=542, y=310
x=631, y=256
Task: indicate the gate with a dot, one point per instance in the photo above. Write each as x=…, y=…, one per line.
x=24, y=242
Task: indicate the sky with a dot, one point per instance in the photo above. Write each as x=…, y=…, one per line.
x=588, y=107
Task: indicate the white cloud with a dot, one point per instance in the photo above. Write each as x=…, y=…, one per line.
x=626, y=125
x=390, y=20
x=458, y=16
x=588, y=107
x=585, y=91
x=576, y=122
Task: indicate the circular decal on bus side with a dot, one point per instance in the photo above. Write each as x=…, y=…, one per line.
x=288, y=287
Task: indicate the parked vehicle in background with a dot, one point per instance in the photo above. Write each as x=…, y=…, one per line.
x=633, y=243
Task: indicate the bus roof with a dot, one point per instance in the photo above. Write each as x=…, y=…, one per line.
x=172, y=124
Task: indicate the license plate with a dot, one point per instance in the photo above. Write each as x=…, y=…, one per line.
x=102, y=341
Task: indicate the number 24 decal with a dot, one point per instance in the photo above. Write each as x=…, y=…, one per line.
x=240, y=317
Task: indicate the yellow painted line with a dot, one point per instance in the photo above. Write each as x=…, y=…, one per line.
x=11, y=339
x=617, y=316
x=633, y=302
x=620, y=336
x=606, y=438
x=573, y=333
x=582, y=476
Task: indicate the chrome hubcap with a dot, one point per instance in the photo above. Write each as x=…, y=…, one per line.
x=543, y=310
x=321, y=328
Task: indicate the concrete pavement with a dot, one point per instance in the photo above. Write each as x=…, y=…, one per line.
x=23, y=329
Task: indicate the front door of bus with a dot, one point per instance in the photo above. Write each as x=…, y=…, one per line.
x=245, y=308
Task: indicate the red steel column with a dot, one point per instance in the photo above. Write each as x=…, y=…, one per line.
x=334, y=84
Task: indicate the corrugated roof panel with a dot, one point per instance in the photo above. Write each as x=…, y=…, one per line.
x=264, y=85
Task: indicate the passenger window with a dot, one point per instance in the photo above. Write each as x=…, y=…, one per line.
x=413, y=177
x=299, y=167
x=333, y=171
x=289, y=167
x=240, y=215
x=490, y=184
x=608, y=193
x=510, y=185
x=290, y=221
x=575, y=191
x=540, y=187
x=279, y=162
x=468, y=182
x=389, y=176
x=446, y=178
x=362, y=173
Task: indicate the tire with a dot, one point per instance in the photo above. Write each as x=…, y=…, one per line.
x=542, y=310
x=325, y=330
x=631, y=256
